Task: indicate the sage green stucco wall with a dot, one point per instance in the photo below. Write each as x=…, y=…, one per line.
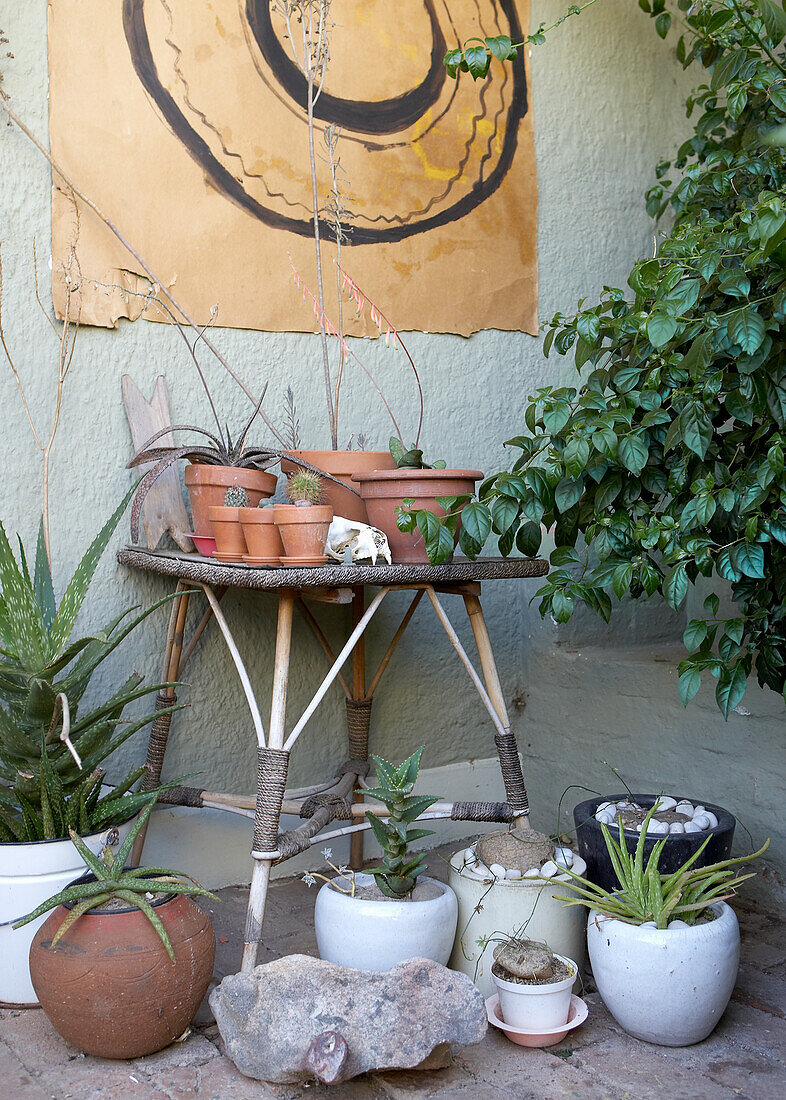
x=608, y=101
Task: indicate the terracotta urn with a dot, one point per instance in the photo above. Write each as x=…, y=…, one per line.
x=304, y=531
x=342, y=465
x=207, y=485
x=109, y=987
x=230, y=542
x=263, y=540
x=383, y=491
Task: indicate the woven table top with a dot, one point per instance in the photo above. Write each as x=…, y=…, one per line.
x=193, y=567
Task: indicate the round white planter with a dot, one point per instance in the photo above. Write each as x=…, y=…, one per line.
x=536, y=1007
x=375, y=935
x=29, y=874
x=666, y=986
x=511, y=907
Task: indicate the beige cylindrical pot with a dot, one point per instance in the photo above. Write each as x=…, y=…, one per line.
x=510, y=907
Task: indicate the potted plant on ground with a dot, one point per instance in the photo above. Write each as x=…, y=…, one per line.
x=664, y=948
x=304, y=523
x=121, y=965
x=395, y=912
x=533, y=983
x=50, y=746
x=408, y=502
x=687, y=824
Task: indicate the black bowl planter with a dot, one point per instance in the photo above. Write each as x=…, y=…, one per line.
x=678, y=847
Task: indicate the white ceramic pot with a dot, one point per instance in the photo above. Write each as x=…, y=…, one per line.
x=511, y=907
x=537, y=1007
x=375, y=935
x=29, y=874
x=668, y=986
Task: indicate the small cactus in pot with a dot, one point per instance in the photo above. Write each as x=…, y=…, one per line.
x=236, y=497
x=304, y=488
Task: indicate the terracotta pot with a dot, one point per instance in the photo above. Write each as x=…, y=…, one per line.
x=385, y=490
x=230, y=543
x=343, y=464
x=263, y=540
x=304, y=532
x=109, y=987
x=207, y=485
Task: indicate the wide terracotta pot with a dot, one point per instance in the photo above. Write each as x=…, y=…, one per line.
x=230, y=541
x=304, y=532
x=383, y=491
x=342, y=465
x=207, y=485
x=263, y=541
x=109, y=988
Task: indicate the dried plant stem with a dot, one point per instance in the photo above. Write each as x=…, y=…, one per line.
x=130, y=248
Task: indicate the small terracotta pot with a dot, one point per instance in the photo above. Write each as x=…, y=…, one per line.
x=385, y=490
x=207, y=485
x=263, y=540
x=109, y=987
x=342, y=465
x=230, y=543
x=304, y=532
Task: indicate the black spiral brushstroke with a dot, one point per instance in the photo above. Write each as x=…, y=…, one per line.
x=377, y=117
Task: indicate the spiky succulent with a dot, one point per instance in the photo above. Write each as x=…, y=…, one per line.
x=398, y=873
x=236, y=497
x=304, y=487
x=113, y=881
x=50, y=747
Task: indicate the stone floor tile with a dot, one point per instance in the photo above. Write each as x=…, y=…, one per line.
x=95, y=1079
x=759, y=1032
x=15, y=1081
x=193, y=1051
x=750, y=1076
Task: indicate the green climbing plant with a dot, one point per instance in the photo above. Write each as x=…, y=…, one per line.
x=664, y=462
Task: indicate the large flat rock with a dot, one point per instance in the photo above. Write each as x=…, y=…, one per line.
x=299, y=1018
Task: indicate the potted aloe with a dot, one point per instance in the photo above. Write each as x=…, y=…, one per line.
x=374, y=921
x=51, y=745
x=664, y=948
x=121, y=965
x=408, y=502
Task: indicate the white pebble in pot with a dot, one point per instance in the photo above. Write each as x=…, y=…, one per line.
x=692, y=827
x=603, y=806
x=666, y=802
x=684, y=808
x=497, y=870
x=563, y=857
x=712, y=819
x=676, y=827
x=656, y=828
x=674, y=925
x=702, y=820
x=533, y=872
x=549, y=869
x=513, y=872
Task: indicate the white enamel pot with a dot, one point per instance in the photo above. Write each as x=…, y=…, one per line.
x=375, y=935
x=537, y=1007
x=668, y=986
x=29, y=874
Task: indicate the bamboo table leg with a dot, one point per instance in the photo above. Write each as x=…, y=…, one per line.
x=271, y=782
x=159, y=729
x=507, y=748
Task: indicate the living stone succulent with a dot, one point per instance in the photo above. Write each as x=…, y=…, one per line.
x=236, y=497
x=525, y=959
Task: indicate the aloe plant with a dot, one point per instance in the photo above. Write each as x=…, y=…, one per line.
x=645, y=894
x=113, y=880
x=398, y=873
x=51, y=749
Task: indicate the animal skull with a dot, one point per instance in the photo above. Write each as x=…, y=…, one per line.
x=363, y=541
